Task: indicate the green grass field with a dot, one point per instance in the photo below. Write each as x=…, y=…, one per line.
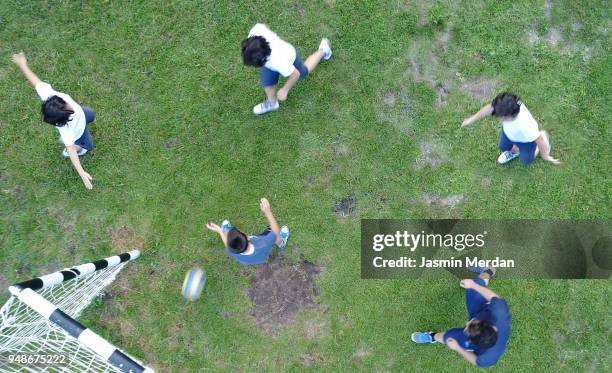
x=177, y=146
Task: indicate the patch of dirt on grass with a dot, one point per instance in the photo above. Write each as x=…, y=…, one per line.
x=486, y=182
x=394, y=99
x=339, y=147
x=47, y=268
x=299, y=9
x=442, y=92
x=443, y=38
x=448, y=202
x=420, y=73
x=346, y=206
x=548, y=9
x=362, y=353
x=280, y=290
x=433, y=154
x=396, y=108
x=309, y=181
x=313, y=358
x=424, y=73
x=124, y=239
x=171, y=144
x=4, y=284
x=112, y=294
x=389, y=99
x=15, y=192
x=482, y=89
x=554, y=36
x=315, y=327
x=64, y=220
x=23, y=268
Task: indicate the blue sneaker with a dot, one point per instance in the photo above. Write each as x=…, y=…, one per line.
x=284, y=236
x=226, y=226
x=422, y=337
x=476, y=269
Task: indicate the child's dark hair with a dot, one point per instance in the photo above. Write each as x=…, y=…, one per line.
x=255, y=51
x=506, y=105
x=237, y=241
x=482, y=333
x=54, y=111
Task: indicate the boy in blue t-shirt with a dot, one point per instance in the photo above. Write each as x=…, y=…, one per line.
x=252, y=250
x=484, y=339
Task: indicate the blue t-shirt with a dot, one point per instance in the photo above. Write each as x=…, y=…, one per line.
x=497, y=313
x=262, y=244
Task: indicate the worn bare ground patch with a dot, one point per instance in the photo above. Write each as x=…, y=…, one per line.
x=554, y=37
x=171, y=143
x=448, y=202
x=433, y=154
x=4, y=284
x=280, y=290
x=64, y=219
x=486, y=182
x=482, y=89
x=396, y=108
x=14, y=192
x=346, y=206
x=339, y=147
x=313, y=358
x=312, y=325
x=362, y=352
x=123, y=238
x=443, y=38
x=428, y=70
x=114, y=294
x=47, y=268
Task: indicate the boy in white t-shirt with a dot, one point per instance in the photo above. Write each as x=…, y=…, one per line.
x=520, y=135
x=274, y=57
x=70, y=119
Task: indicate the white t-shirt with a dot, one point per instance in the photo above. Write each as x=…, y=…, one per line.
x=523, y=128
x=74, y=128
x=282, y=54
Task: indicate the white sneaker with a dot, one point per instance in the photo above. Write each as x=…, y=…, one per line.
x=265, y=107
x=325, y=48
x=507, y=156
x=81, y=152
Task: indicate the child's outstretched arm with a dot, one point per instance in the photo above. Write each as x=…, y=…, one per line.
x=264, y=204
x=291, y=80
x=544, y=149
x=215, y=228
x=76, y=163
x=483, y=112
x=20, y=60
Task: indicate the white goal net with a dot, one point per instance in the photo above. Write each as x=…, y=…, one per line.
x=38, y=332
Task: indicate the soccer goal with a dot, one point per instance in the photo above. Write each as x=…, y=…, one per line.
x=38, y=327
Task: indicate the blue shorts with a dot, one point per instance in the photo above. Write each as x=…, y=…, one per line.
x=474, y=303
x=269, y=77
x=527, y=149
x=85, y=140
